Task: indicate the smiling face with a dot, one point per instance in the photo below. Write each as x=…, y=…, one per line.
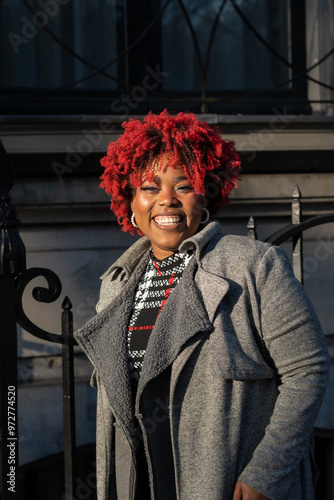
x=167, y=209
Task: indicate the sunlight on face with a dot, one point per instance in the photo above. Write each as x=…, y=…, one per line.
x=167, y=209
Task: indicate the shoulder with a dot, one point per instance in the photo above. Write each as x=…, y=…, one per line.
x=236, y=242
x=233, y=247
x=234, y=254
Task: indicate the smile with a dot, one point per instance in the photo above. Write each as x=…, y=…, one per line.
x=164, y=220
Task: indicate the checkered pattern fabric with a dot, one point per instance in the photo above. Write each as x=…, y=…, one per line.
x=158, y=281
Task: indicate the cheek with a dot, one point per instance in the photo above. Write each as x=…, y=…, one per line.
x=140, y=204
x=197, y=206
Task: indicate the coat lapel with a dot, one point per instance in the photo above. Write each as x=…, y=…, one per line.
x=103, y=339
x=212, y=289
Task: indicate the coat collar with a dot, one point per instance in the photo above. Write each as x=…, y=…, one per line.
x=211, y=287
x=201, y=239
x=128, y=261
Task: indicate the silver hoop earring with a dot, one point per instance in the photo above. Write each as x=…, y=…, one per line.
x=207, y=216
x=133, y=220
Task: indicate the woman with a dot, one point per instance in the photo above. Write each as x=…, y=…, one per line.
x=210, y=363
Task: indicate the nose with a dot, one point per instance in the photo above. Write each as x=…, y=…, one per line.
x=167, y=197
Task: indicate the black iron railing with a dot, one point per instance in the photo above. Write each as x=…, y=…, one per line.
x=14, y=277
x=293, y=231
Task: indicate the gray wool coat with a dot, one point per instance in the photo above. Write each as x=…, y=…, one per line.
x=233, y=377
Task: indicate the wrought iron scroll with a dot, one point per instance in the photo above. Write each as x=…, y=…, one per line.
x=291, y=230
x=40, y=294
x=295, y=231
x=48, y=295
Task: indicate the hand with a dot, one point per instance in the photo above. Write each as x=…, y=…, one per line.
x=244, y=492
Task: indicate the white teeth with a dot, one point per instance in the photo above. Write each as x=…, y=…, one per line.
x=167, y=221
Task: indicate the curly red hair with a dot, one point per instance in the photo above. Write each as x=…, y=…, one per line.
x=210, y=163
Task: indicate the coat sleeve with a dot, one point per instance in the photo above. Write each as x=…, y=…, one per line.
x=296, y=344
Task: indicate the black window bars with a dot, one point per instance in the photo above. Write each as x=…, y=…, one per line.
x=139, y=43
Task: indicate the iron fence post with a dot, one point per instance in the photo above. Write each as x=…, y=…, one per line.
x=68, y=401
x=297, y=240
x=251, y=228
x=12, y=263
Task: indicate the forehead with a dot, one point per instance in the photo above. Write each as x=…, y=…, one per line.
x=161, y=168
x=168, y=173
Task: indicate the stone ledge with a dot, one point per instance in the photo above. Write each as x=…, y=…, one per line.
x=59, y=134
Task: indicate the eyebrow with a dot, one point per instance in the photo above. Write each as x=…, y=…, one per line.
x=182, y=178
x=157, y=179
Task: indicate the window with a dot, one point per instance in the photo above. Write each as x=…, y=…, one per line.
x=120, y=57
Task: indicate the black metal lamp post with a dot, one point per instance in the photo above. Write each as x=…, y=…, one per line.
x=12, y=263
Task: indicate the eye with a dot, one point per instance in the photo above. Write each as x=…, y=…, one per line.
x=149, y=188
x=184, y=187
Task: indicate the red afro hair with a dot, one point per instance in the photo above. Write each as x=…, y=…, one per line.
x=210, y=163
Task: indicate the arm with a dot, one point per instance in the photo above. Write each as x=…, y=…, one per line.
x=295, y=342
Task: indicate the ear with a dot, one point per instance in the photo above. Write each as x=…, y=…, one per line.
x=133, y=202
